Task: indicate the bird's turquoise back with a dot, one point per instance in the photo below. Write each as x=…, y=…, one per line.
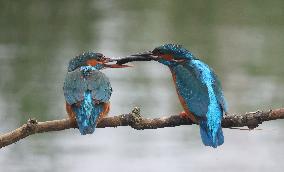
x=86, y=89
x=199, y=87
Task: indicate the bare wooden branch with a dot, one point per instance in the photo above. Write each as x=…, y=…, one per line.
x=136, y=121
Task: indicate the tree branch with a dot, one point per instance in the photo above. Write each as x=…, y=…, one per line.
x=136, y=121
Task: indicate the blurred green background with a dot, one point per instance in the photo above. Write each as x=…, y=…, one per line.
x=242, y=41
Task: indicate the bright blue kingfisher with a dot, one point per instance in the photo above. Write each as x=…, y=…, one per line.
x=87, y=90
x=197, y=86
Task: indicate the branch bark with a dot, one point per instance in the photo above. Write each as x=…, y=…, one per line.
x=136, y=121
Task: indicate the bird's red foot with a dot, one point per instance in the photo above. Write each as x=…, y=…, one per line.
x=183, y=114
x=188, y=116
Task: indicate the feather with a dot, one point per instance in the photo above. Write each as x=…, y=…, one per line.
x=87, y=114
x=200, y=88
x=191, y=89
x=86, y=90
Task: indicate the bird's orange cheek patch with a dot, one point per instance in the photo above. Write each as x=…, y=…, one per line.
x=167, y=57
x=92, y=62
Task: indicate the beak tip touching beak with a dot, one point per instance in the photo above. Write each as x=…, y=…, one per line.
x=145, y=56
x=114, y=65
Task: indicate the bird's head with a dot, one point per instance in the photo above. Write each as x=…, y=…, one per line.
x=96, y=60
x=168, y=54
x=172, y=52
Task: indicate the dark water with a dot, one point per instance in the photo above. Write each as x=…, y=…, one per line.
x=243, y=41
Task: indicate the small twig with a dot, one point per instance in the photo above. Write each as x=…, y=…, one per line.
x=136, y=121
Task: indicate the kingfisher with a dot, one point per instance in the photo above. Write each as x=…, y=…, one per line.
x=198, y=88
x=87, y=90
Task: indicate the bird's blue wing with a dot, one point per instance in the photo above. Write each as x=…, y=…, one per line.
x=78, y=82
x=87, y=91
x=74, y=87
x=210, y=127
x=193, y=91
x=100, y=84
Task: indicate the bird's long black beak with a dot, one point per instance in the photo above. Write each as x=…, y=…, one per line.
x=108, y=64
x=145, y=56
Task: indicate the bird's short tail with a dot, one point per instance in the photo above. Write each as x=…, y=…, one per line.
x=211, y=138
x=87, y=114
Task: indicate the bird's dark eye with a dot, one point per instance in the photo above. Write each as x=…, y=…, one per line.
x=157, y=52
x=100, y=56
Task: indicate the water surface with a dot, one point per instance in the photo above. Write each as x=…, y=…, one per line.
x=243, y=41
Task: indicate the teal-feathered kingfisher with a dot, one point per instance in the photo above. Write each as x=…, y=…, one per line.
x=197, y=86
x=87, y=90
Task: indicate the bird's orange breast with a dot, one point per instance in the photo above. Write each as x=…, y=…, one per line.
x=182, y=101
